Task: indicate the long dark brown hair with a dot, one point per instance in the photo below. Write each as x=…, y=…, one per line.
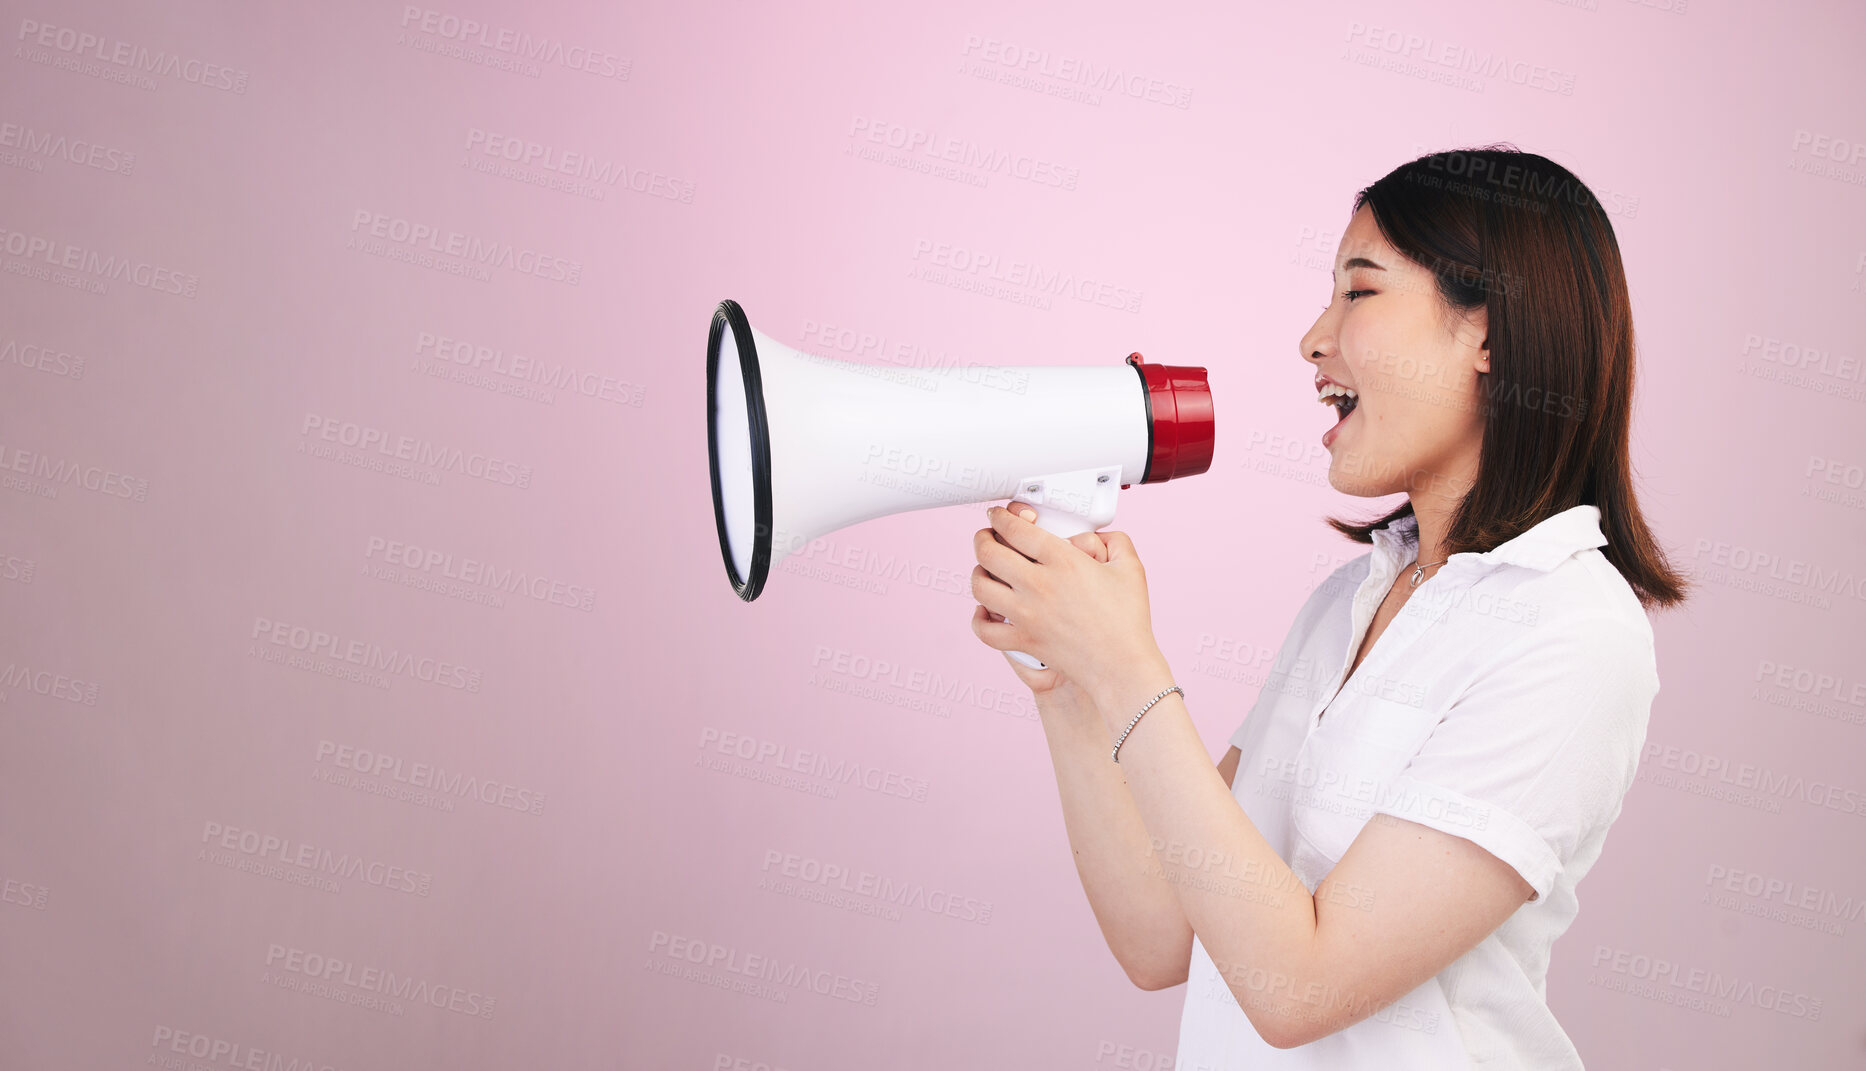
x=1521, y=237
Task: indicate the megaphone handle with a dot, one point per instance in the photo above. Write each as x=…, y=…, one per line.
x=1033, y=663
x=1067, y=504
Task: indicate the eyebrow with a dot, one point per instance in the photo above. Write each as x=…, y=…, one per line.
x=1360, y=262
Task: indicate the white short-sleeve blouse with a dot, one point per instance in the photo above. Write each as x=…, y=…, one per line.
x=1506, y=704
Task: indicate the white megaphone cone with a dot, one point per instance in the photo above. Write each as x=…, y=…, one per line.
x=801, y=445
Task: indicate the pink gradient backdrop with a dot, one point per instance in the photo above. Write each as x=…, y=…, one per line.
x=140, y=716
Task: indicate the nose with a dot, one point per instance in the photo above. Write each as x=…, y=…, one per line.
x=1318, y=342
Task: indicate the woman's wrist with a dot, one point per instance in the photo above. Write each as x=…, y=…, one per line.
x=1070, y=720
x=1067, y=700
x=1125, y=685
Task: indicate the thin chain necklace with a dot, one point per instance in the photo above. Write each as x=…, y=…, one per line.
x=1419, y=573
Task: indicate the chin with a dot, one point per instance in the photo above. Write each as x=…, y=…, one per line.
x=1362, y=490
x=1344, y=477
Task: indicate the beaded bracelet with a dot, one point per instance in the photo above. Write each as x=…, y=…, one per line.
x=1143, y=710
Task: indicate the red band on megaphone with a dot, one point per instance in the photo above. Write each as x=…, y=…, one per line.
x=1181, y=427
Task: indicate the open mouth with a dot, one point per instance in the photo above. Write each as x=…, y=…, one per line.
x=1344, y=399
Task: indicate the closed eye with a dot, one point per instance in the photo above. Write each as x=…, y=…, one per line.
x=1352, y=294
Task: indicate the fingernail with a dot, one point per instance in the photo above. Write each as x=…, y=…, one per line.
x=1027, y=514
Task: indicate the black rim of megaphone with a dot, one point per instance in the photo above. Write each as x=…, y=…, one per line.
x=729, y=313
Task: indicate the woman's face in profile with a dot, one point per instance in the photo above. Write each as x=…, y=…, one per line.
x=1386, y=334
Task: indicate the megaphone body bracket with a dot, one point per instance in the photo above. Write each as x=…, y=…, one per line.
x=1071, y=502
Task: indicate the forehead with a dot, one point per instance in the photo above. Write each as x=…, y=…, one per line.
x=1362, y=238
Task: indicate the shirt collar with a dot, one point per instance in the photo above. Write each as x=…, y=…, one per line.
x=1548, y=543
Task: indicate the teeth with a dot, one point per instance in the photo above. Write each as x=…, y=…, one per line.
x=1330, y=391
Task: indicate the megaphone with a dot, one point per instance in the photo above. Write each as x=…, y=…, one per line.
x=802, y=445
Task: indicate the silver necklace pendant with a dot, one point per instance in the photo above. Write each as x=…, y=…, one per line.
x=1417, y=575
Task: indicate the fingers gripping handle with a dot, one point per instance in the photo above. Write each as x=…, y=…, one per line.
x=1069, y=503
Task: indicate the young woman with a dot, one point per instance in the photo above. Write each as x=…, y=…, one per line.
x=1374, y=874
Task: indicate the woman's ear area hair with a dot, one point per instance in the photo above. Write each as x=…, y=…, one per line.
x=1472, y=326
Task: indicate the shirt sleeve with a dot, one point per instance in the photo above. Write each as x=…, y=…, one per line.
x=1539, y=751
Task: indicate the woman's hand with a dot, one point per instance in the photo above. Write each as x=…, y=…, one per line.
x=1080, y=612
x=1039, y=681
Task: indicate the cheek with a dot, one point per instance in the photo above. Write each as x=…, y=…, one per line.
x=1429, y=424
x=1360, y=344
x=1409, y=378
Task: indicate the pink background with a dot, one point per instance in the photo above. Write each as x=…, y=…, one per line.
x=142, y=717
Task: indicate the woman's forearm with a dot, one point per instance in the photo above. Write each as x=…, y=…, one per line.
x=1139, y=913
